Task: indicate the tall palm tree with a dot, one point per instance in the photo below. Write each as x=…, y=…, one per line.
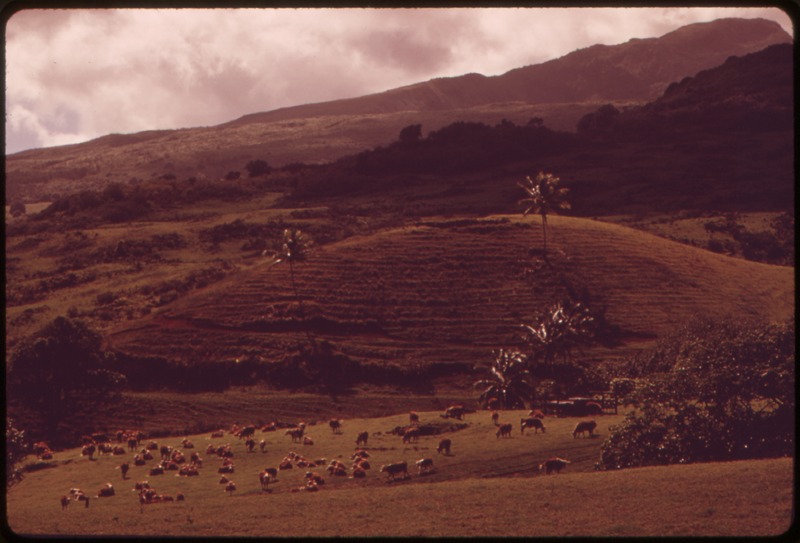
x=544, y=196
x=294, y=249
x=508, y=381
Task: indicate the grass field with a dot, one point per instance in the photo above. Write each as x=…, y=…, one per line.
x=486, y=487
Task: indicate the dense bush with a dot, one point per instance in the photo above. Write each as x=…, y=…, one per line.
x=719, y=391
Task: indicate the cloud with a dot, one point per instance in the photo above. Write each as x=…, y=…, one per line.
x=73, y=75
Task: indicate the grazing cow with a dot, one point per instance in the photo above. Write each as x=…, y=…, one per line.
x=250, y=443
x=119, y=450
x=132, y=443
x=226, y=469
x=141, y=485
x=531, y=422
x=504, y=430
x=358, y=472
x=495, y=417
x=285, y=464
x=230, y=488
x=124, y=467
x=106, y=492
x=336, y=425
x=553, y=464
x=247, y=431
x=166, y=451
x=88, y=450
x=360, y=453
x=195, y=459
x=361, y=463
x=180, y=497
x=393, y=470
x=296, y=434
x=64, y=502
x=138, y=460
x=307, y=440
x=217, y=433
x=105, y=448
x=152, y=446
x=264, y=478
x=157, y=470
x=411, y=435
x=455, y=412
x=46, y=455
x=224, y=480
x=413, y=418
x=271, y=427
x=583, y=427
x=362, y=439
x=424, y=465
x=262, y=445
x=444, y=447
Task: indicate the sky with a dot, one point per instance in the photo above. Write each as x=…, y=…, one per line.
x=75, y=74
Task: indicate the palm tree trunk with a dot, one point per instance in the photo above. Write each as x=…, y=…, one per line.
x=300, y=304
x=544, y=233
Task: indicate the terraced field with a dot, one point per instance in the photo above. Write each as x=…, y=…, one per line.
x=450, y=290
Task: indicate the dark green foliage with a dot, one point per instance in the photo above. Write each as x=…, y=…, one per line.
x=719, y=391
x=232, y=176
x=256, y=168
x=61, y=366
x=411, y=134
x=16, y=450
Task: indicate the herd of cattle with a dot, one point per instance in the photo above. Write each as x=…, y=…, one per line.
x=175, y=458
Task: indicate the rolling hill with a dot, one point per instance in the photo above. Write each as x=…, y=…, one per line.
x=561, y=91
x=452, y=290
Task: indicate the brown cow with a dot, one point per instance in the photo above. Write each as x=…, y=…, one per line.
x=413, y=417
x=444, y=447
x=495, y=417
x=296, y=434
x=64, y=502
x=392, y=470
x=124, y=467
x=362, y=439
x=336, y=425
x=504, y=430
x=455, y=412
x=106, y=492
x=411, y=435
x=424, y=465
x=583, y=427
x=553, y=464
x=531, y=422
x=230, y=488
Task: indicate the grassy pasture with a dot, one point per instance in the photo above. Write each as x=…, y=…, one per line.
x=486, y=487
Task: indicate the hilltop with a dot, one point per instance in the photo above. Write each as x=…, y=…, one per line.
x=452, y=290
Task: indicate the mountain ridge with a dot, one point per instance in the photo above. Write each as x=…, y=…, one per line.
x=580, y=82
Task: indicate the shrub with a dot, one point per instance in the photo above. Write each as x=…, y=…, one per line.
x=728, y=394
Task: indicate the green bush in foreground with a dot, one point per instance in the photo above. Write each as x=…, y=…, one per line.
x=728, y=395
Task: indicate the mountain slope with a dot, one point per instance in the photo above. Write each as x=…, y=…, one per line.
x=451, y=291
x=561, y=91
